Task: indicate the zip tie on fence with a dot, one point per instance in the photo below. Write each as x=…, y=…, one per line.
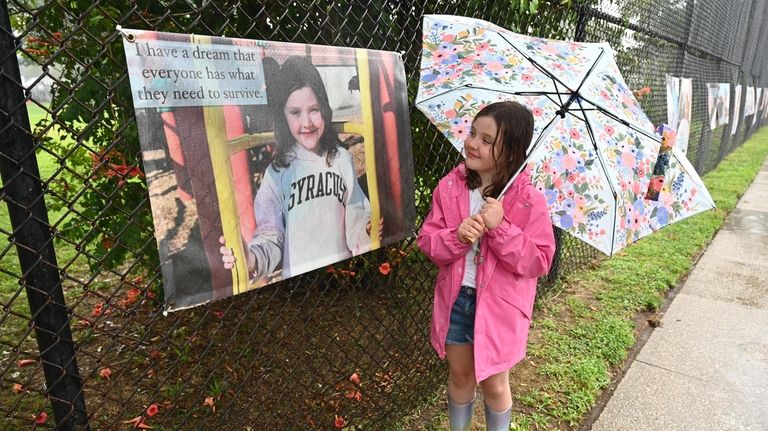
x=130, y=37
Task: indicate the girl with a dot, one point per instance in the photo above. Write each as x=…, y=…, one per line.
x=310, y=210
x=489, y=254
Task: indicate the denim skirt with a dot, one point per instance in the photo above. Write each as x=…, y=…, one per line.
x=462, y=328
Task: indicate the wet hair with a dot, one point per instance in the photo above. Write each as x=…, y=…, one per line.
x=295, y=74
x=514, y=131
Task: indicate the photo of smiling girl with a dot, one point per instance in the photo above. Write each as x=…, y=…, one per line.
x=310, y=209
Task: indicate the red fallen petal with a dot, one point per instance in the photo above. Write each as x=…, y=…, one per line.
x=152, y=410
x=97, y=310
x=143, y=426
x=135, y=172
x=105, y=373
x=121, y=169
x=384, y=268
x=25, y=362
x=354, y=395
x=18, y=388
x=354, y=378
x=41, y=418
x=339, y=422
x=154, y=354
x=219, y=314
x=211, y=403
x=107, y=243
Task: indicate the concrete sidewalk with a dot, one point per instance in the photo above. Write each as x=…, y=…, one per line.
x=706, y=367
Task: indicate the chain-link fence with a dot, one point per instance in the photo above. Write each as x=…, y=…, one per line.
x=83, y=337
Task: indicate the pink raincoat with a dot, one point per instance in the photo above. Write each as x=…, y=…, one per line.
x=515, y=253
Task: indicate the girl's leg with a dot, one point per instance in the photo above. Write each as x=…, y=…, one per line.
x=498, y=401
x=461, y=385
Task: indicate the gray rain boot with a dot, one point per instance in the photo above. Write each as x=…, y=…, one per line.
x=497, y=421
x=460, y=415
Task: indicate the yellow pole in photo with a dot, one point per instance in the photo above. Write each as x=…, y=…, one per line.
x=366, y=106
x=216, y=132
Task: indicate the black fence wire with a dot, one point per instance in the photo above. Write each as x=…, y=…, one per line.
x=83, y=340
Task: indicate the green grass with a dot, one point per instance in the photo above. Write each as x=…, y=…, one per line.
x=11, y=294
x=9, y=260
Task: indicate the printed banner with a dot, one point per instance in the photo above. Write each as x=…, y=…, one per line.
x=749, y=103
x=685, y=112
x=723, y=103
x=764, y=105
x=266, y=160
x=758, y=100
x=679, y=103
x=736, y=108
x=713, y=90
x=673, y=100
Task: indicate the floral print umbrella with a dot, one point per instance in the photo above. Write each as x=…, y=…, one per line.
x=594, y=150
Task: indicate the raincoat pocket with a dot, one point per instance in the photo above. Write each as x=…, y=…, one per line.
x=510, y=297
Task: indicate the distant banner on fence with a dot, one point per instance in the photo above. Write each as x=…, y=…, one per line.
x=749, y=103
x=679, y=102
x=718, y=102
x=764, y=105
x=266, y=160
x=736, y=108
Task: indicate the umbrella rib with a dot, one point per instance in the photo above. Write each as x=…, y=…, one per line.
x=616, y=118
x=600, y=108
x=467, y=86
x=605, y=172
x=589, y=72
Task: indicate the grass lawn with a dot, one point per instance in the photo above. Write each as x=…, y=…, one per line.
x=11, y=294
x=584, y=329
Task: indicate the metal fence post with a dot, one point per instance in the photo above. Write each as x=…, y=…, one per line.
x=23, y=192
x=581, y=22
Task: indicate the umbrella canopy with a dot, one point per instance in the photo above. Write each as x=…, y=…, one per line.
x=594, y=149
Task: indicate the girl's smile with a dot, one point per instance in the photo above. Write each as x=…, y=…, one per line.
x=302, y=112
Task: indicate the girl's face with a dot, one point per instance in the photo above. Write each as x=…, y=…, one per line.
x=302, y=112
x=479, y=146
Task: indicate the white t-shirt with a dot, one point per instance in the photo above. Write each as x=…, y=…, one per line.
x=476, y=202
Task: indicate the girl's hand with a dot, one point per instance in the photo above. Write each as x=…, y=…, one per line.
x=228, y=255
x=492, y=212
x=381, y=227
x=471, y=228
